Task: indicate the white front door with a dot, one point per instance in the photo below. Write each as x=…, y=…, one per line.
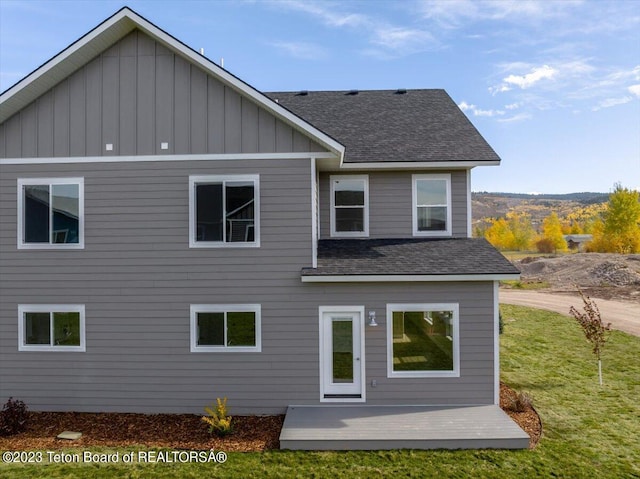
x=341, y=353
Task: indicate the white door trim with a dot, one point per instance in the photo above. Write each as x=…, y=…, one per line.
x=357, y=313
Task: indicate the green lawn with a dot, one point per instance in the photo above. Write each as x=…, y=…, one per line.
x=589, y=432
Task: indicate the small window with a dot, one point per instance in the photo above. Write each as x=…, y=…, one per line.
x=51, y=328
x=51, y=213
x=231, y=327
x=349, y=206
x=422, y=340
x=224, y=211
x=432, y=205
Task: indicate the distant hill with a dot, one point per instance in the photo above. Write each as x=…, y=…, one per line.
x=495, y=205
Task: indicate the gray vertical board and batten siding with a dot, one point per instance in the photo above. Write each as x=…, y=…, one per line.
x=390, y=203
x=135, y=96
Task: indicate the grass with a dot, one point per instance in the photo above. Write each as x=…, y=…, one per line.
x=589, y=431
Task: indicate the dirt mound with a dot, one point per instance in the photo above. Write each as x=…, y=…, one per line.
x=600, y=274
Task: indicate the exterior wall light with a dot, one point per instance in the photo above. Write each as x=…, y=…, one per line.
x=372, y=319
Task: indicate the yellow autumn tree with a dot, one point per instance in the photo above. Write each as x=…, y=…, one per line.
x=552, y=232
x=620, y=231
x=514, y=232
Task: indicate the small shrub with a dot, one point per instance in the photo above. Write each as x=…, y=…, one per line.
x=545, y=245
x=519, y=402
x=218, y=418
x=13, y=417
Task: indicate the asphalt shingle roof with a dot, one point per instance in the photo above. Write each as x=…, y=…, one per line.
x=451, y=256
x=386, y=126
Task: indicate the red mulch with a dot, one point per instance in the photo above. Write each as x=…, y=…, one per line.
x=180, y=431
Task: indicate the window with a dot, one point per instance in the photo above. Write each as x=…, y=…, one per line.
x=432, y=205
x=51, y=213
x=229, y=327
x=224, y=211
x=44, y=327
x=422, y=340
x=349, y=206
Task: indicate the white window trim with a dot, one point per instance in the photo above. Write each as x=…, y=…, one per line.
x=22, y=182
x=454, y=307
x=196, y=179
x=50, y=308
x=225, y=308
x=414, y=203
x=349, y=234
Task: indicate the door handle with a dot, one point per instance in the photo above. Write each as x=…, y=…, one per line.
x=357, y=359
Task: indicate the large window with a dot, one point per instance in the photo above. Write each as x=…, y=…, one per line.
x=432, y=205
x=350, y=206
x=51, y=213
x=224, y=211
x=45, y=327
x=422, y=340
x=228, y=327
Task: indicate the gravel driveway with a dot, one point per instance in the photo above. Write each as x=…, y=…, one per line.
x=622, y=315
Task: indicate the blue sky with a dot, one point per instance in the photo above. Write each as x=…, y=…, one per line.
x=554, y=86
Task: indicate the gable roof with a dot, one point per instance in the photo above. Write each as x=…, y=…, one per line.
x=395, y=259
x=111, y=31
x=393, y=126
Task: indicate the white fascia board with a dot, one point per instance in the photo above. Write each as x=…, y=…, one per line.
x=115, y=28
x=414, y=165
x=147, y=158
x=406, y=278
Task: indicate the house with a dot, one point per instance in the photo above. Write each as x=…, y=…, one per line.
x=170, y=235
x=577, y=242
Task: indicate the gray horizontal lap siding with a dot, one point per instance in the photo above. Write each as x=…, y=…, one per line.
x=137, y=277
x=390, y=203
x=135, y=96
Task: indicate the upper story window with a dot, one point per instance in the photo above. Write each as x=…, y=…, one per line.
x=350, y=206
x=224, y=211
x=431, y=205
x=51, y=213
x=228, y=327
x=45, y=327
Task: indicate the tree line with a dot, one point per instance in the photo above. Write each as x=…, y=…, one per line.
x=614, y=226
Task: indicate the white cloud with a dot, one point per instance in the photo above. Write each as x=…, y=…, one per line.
x=634, y=90
x=464, y=106
x=513, y=106
x=388, y=40
x=301, y=50
x=515, y=118
x=530, y=79
x=609, y=102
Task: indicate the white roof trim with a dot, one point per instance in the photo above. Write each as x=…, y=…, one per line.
x=405, y=278
x=143, y=158
x=412, y=165
x=115, y=28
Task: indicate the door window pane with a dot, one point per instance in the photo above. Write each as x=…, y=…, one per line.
x=342, y=342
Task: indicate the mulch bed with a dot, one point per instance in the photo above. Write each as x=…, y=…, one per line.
x=181, y=431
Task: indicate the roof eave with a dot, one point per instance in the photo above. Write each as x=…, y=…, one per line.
x=412, y=165
x=398, y=278
x=109, y=32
